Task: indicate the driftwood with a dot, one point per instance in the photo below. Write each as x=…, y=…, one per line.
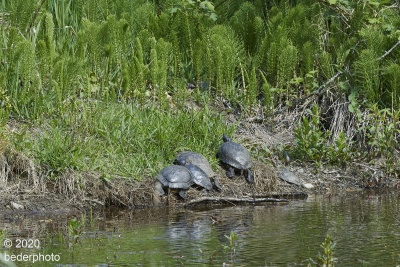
x=231, y=200
x=276, y=195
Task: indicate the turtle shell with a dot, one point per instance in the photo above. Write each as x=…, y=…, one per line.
x=197, y=159
x=174, y=176
x=234, y=155
x=199, y=176
x=289, y=176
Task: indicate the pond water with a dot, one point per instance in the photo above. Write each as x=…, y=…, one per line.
x=365, y=228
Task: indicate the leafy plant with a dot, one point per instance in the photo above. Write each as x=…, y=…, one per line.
x=340, y=151
x=76, y=226
x=231, y=246
x=310, y=139
x=326, y=259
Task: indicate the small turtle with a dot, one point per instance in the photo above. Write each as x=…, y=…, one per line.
x=197, y=159
x=199, y=177
x=174, y=177
x=235, y=156
x=288, y=176
x=292, y=178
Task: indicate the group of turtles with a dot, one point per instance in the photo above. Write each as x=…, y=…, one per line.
x=194, y=169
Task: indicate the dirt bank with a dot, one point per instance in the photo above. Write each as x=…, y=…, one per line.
x=25, y=189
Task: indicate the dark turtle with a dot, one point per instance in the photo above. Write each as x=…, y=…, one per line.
x=199, y=176
x=192, y=158
x=235, y=156
x=197, y=159
x=174, y=177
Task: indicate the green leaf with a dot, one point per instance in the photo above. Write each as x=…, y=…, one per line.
x=173, y=10
x=373, y=20
x=332, y=2
x=213, y=16
x=351, y=108
x=207, y=5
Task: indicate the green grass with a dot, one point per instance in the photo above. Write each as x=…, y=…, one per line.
x=58, y=58
x=122, y=139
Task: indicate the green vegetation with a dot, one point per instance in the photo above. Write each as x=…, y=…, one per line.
x=231, y=246
x=326, y=259
x=105, y=81
x=121, y=139
x=75, y=227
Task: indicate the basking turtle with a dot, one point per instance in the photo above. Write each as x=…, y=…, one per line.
x=174, y=177
x=288, y=176
x=235, y=156
x=199, y=177
x=292, y=178
x=197, y=159
x=188, y=158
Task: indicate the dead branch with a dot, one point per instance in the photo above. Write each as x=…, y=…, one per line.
x=338, y=10
x=322, y=90
x=35, y=15
x=388, y=52
x=289, y=195
x=317, y=92
x=231, y=200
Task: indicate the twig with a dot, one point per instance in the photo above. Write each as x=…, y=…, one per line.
x=231, y=200
x=293, y=195
x=389, y=51
x=34, y=16
x=220, y=4
x=319, y=91
x=339, y=10
x=94, y=200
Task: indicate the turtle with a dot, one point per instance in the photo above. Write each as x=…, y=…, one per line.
x=188, y=158
x=199, y=176
x=235, y=156
x=174, y=177
x=291, y=178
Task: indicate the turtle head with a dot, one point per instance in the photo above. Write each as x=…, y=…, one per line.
x=226, y=138
x=181, y=161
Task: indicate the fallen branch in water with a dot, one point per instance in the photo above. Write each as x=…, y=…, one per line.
x=231, y=200
x=292, y=195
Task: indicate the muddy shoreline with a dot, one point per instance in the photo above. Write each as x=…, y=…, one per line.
x=25, y=191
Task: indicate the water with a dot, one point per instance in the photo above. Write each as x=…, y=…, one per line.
x=365, y=227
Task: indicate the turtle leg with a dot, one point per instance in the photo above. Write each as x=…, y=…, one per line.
x=217, y=185
x=249, y=177
x=230, y=172
x=181, y=193
x=159, y=188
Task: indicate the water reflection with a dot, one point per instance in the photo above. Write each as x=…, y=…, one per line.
x=366, y=228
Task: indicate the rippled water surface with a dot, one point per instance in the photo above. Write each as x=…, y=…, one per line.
x=365, y=227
